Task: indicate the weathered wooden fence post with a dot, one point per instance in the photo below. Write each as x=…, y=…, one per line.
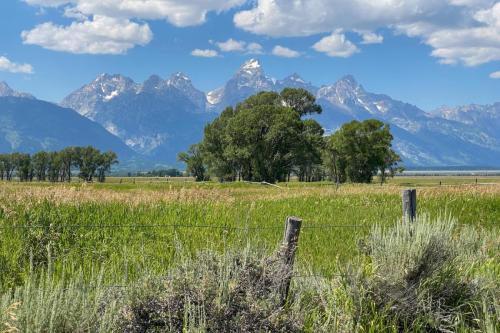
x=288, y=249
x=409, y=205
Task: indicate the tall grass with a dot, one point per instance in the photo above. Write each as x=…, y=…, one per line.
x=432, y=276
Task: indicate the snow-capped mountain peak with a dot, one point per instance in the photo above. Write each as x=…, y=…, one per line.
x=7, y=91
x=344, y=91
x=179, y=77
x=251, y=64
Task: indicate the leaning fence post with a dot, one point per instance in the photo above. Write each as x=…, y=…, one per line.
x=409, y=205
x=288, y=249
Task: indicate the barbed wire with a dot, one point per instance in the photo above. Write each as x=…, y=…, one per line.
x=187, y=226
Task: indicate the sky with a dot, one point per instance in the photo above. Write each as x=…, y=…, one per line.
x=425, y=52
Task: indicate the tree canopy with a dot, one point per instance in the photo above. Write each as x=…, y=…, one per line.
x=262, y=138
x=58, y=165
x=271, y=136
x=360, y=150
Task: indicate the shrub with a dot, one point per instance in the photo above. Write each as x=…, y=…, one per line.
x=236, y=292
x=424, y=278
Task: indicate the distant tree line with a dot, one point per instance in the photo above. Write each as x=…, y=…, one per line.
x=270, y=137
x=157, y=173
x=57, y=166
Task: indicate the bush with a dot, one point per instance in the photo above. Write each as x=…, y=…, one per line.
x=424, y=277
x=237, y=292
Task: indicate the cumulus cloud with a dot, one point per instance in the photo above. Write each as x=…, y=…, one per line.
x=336, y=45
x=101, y=35
x=495, y=75
x=254, y=48
x=207, y=53
x=180, y=13
x=303, y=18
x=113, y=16
x=459, y=31
x=371, y=38
x=8, y=66
x=232, y=45
x=285, y=52
x=470, y=45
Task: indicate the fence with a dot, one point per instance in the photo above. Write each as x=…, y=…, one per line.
x=289, y=245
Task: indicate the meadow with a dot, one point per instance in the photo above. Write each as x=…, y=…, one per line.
x=118, y=232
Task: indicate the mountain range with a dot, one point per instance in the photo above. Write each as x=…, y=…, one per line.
x=158, y=118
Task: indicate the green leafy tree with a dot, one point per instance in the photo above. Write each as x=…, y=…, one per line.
x=300, y=100
x=224, y=163
x=308, y=159
x=68, y=158
x=360, y=150
x=104, y=163
x=24, y=167
x=194, y=163
x=54, y=166
x=40, y=162
x=87, y=160
x=264, y=137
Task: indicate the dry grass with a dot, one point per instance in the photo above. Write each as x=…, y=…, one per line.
x=141, y=194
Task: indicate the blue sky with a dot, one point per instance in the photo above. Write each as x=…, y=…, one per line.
x=425, y=52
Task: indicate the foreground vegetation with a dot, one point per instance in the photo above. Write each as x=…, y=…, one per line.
x=100, y=256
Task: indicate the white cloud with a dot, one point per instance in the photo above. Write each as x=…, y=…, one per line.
x=471, y=45
x=459, y=31
x=231, y=45
x=178, y=12
x=495, y=75
x=113, y=16
x=371, y=38
x=303, y=18
x=254, y=48
x=102, y=35
x=204, y=53
x=282, y=51
x=336, y=45
x=8, y=66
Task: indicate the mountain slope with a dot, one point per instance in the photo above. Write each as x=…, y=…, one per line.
x=31, y=125
x=420, y=138
x=157, y=119
x=485, y=117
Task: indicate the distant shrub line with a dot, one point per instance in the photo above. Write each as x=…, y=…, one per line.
x=57, y=166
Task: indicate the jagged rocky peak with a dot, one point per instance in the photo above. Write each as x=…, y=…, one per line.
x=7, y=91
x=251, y=67
x=251, y=64
x=179, y=77
x=295, y=81
x=180, y=81
x=108, y=86
x=295, y=78
x=183, y=83
x=348, y=81
x=345, y=89
x=153, y=83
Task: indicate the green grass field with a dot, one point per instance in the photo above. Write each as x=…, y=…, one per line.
x=127, y=228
